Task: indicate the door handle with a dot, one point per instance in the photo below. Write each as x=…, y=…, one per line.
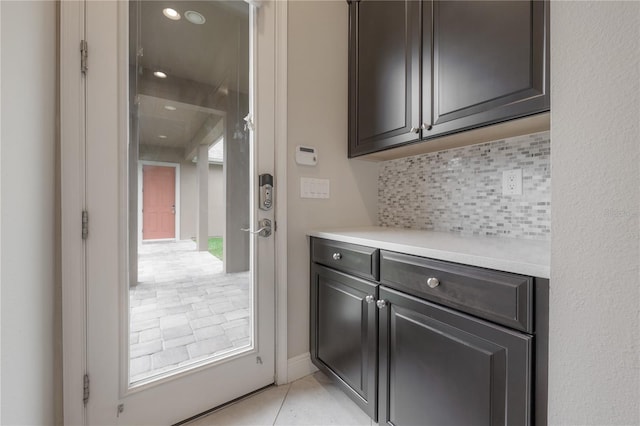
x=263, y=231
x=173, y=209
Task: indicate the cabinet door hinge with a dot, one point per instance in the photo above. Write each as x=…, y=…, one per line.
x=85, y=389
x=84, y=53
x=85, y=224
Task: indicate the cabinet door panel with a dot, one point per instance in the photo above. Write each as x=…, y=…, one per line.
x=344, y=333
x=427, y=61
x=440, y=367
x=384, y=74
x=489, y=62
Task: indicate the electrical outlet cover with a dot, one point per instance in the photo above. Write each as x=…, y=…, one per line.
x=512, y=182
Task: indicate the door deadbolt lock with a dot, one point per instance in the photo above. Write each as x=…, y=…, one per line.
x=266, y=192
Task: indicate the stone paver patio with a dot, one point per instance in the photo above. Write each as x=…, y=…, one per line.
x=184, y=309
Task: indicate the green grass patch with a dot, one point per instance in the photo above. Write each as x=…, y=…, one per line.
x=215, y=246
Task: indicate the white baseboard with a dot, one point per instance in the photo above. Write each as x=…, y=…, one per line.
x=299, y=366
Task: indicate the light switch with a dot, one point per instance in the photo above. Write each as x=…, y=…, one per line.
x=314, y=188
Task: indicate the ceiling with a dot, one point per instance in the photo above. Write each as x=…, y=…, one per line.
x=215, y=55
x=178, y=127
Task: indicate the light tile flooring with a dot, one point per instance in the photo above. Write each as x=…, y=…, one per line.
x=184, y=308
x=312, y=400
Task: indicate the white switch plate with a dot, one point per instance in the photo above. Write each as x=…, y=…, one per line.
x=512, y=182
x=314, y=188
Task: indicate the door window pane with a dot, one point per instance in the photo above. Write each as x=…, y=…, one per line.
x=190, y=289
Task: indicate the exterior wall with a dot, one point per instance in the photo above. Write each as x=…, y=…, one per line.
x=30, y=385
x=317, y=116
x=188, y=188
x=594, y=325
x=188, y=200
x=236, y=245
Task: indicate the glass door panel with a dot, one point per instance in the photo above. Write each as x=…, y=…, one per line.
x=190, y=290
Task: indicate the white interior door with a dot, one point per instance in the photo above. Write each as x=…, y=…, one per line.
x=129, y=382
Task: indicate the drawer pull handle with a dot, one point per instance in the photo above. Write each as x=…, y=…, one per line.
x=369, y=299
x=381, y=303
x=433, y=282
x=337, y=256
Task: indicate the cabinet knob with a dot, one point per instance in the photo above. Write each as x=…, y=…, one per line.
x=369, y=299
x=426, y=126
x=415, y=130
x=381, y=303
x=337, y=256
x=433, y=282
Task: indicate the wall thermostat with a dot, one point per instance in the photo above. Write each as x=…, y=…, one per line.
x=306, y=155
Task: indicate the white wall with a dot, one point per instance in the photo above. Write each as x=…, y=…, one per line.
x=594, y=303
x=317, y=116
x=28, y=133
x=595, y=180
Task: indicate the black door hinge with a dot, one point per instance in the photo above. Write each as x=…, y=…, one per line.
x=85, y=224
x=85, y=389
x=84, y=54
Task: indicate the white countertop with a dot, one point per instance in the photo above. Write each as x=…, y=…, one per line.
x=527, y=257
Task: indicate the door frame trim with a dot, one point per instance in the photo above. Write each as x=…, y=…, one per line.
x=72, y=202
x=178, y=206
x=280, y=104
x=72, y=199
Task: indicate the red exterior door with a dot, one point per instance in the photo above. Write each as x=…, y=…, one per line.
x=158, y=202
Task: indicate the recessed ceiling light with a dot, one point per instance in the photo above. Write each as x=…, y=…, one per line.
x=160, y=74
x=194, y=17
x=162, y=136
x=170, y=108
x=171, y=13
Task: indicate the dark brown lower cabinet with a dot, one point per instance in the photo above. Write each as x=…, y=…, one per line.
x=344, y=333
x=440, y=367
x=407, y=360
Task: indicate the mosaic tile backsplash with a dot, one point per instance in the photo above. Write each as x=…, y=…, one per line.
x=460, y=190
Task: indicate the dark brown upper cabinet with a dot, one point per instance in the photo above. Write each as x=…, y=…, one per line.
x=384, y=68
x=421, y=69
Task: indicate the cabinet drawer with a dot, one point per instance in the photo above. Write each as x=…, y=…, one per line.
x=357, y=260
x=500, y=297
